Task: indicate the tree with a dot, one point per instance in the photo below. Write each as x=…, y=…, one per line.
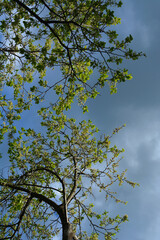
x=44, y=191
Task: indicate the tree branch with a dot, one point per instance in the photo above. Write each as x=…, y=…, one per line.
x=35, y=195
x=41, y=21
x=73, y=191
x=21, y=215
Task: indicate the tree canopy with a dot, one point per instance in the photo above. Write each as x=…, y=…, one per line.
x=50, y=185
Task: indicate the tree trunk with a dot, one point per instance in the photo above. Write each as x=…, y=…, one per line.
x=68, y=233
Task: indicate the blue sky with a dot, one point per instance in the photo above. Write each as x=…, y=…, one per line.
x=137, y=103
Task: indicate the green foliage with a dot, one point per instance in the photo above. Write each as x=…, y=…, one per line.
x=45, y=188
x=66, y=155
x=73, y=36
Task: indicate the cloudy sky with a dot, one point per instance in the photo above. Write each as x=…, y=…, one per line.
x=137, y=103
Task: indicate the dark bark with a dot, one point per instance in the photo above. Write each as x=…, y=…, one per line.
x=68, y=233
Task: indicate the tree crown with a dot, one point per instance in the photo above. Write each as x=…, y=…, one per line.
x=55, y=171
